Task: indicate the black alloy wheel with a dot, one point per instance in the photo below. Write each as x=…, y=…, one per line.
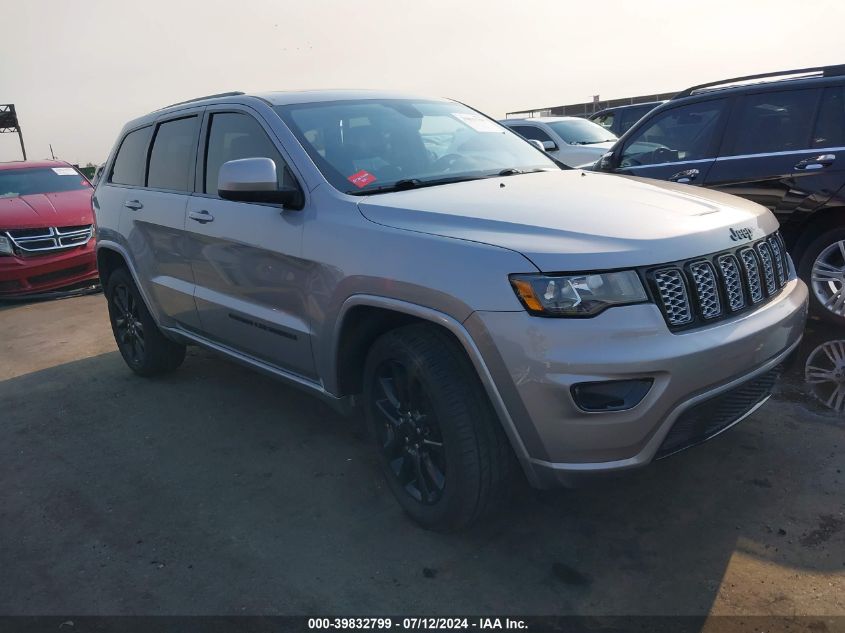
x=408, y=432
x=143, y=346
x=129, y=330
x=443, y=452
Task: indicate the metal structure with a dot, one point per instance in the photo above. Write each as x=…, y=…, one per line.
x=589, y=107
x=9, y=123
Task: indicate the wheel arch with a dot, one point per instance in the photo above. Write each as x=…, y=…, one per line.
x=110, y=256
x=109, y=259
x=818, y=223
x=363, y=318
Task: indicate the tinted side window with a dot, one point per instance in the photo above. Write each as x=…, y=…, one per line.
x=680, y=134
x=775, y=121
x=233, y=136
x=531, y=132
x=131, y=159
x=830, y=124
x=630, y=116
x=605, y=120
x=172, y=156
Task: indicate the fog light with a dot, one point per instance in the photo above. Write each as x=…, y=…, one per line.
x=611, y=395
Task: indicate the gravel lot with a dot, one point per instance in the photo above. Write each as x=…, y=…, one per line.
x=216, y=490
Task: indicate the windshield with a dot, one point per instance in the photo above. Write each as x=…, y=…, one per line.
x=26, y=182
x=372, y=145
x=581, y=132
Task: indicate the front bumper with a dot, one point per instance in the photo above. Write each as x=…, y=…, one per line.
x=30, y=275
x=535, y=361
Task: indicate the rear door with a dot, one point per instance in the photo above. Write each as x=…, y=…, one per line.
x=154, y=217
x=829, y=146
x=781, y=149
x=250, y=279
x=126, y=174
x=677, y=144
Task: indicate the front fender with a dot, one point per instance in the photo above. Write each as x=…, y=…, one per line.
x=457, y=329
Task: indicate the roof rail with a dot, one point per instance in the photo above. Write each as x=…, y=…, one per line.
x=821, y=71
x=234, y=93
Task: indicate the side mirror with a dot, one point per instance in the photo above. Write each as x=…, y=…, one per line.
x=255, y=180
x=606, y=162
x=549, y=146
x=536, y=143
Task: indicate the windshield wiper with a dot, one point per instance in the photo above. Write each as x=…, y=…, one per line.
x=407, y=183
x=416, y=183
x=413, y=183
x=515, y=171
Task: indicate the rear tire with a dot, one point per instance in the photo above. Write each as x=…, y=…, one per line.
x=144, y=348
x=441, y=447
x=822, y=267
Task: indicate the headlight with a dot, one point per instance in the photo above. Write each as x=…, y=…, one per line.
x=577, y=295
x=6, y=246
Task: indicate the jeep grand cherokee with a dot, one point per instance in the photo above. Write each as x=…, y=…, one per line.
x=487, y=309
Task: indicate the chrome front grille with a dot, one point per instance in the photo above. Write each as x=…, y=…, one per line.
x=50, y=238
x=777, y=251
x=752, y=274
x=768, y=267
x=705, y=289
x=732, y=279
x=673, y=294
x=704, y=282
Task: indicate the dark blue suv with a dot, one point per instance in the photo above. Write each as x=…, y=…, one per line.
x=777, y=139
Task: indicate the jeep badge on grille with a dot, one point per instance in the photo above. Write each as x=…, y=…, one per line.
x=737, y=235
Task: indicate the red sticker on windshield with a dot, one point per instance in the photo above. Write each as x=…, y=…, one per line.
x=361, y=179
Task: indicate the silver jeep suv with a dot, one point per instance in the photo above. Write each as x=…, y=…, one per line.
x=489, y=310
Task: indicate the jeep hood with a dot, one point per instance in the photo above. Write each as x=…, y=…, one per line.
x=66, y=208
x=576, y=220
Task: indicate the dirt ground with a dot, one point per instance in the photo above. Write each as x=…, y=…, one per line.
x=216, y=490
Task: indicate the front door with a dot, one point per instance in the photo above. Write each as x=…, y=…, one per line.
x=245, y=256
x=678, y=144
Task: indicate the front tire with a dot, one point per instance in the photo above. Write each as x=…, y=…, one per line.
x=822, y=267
x=442, y=450
x=144, y=348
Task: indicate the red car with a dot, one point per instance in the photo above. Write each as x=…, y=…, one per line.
x=46, y=227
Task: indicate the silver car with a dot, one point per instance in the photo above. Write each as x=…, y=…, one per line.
x=571, y=140
x=490, y=312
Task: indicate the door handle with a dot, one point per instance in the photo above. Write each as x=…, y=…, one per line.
x=688, y=175
x=133, y=204
x=818, y=162
x=203, y=217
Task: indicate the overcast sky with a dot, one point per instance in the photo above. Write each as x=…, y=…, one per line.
x=78, y=70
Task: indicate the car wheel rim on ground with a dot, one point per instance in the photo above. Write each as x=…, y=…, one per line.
x=408, y=433
x=127, y=323
x=825, y=373
x=828, y=278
